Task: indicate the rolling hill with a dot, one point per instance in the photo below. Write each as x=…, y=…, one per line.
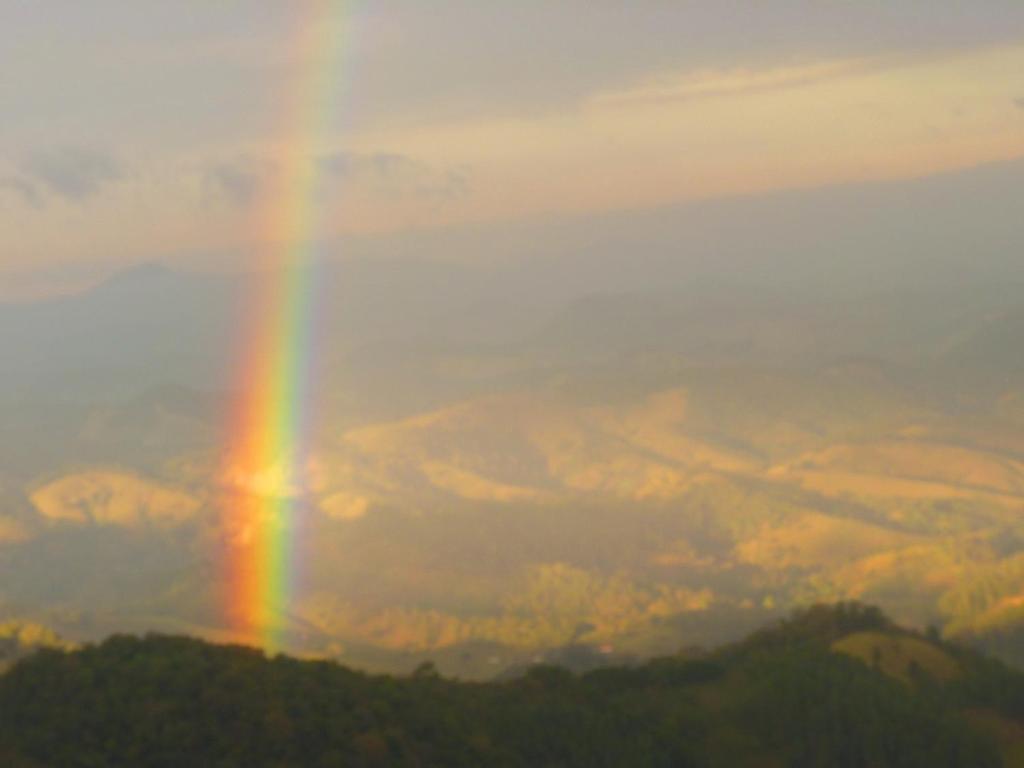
x=829, y=686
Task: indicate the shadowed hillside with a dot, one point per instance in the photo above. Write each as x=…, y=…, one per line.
x=798, y=693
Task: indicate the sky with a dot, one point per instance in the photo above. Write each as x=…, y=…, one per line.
x=141, y=131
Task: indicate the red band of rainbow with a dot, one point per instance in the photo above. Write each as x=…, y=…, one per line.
x=266, y=451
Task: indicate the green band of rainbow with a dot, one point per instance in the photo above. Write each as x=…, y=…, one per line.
x=266, y=462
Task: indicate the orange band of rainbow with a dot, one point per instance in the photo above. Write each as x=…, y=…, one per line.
x=265, y=457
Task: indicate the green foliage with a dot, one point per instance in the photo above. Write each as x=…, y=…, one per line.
x=818, y=709
x=779, y=698
x=19, y=638
x=820, y=625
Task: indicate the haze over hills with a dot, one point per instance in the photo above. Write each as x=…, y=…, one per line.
x=850, y=259
x=512, y=384
x=617, y=441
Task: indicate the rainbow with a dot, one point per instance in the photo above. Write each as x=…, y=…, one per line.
x=266, y=451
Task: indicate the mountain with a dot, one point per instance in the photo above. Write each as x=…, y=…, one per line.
x=789, y=278
x=19, y=639
x=141, y=328
x=829, y=686
x=640, y=507
x=657, y=430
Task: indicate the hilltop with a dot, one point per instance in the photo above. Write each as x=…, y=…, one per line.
x=19, y=638
x=794, y=693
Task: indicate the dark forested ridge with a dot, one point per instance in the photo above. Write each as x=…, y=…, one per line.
x=831, y=686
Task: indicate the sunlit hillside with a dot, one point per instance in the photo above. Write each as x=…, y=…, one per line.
x=535, y=383
x=506, y=458
x=491, y=513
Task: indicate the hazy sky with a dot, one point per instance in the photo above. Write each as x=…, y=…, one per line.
x=138, y=130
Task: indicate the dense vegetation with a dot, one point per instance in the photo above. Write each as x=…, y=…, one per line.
x=783, y=697
x=20, y=638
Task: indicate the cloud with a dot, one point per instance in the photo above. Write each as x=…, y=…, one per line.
x=704, y=84
x=395, y=174
x=452, y=185
x=378, y=176
x=380, y=166
x=23, y=188
x=240, y=182
x=73, y=173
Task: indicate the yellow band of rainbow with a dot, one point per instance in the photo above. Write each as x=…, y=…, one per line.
x=266, y=444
